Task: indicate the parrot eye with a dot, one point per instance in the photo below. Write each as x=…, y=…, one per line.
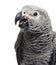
x=35, y=14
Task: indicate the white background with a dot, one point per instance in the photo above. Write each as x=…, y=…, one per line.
x=8, y=30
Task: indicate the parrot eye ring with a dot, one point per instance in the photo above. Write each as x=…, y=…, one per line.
x=35, y=14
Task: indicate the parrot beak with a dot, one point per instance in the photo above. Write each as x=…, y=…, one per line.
x=18, y=17
x=22, y=20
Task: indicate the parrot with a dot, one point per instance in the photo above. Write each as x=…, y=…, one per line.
x=36, y=41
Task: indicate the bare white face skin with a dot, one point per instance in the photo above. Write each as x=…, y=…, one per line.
x=38, y=18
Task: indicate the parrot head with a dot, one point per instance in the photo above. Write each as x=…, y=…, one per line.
x=33, y=18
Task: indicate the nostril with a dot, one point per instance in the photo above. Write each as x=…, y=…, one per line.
x=24, y=12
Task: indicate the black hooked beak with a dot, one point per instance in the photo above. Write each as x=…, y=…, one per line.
x=22, y=20
x=18, y=17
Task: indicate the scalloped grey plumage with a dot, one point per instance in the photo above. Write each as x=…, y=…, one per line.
x=37, y=44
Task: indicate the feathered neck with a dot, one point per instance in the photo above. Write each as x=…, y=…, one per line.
x=30, y=35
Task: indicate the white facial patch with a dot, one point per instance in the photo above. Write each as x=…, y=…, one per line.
x=35, y=21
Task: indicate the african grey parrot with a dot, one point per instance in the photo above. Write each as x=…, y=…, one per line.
x=36, y=41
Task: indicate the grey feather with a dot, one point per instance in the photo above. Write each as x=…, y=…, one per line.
x=19, y=40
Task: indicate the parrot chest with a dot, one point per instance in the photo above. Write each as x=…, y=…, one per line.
x=36, y=49
x=35, y=44
x=33, y=53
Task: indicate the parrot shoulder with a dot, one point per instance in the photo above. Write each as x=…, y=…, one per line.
x=19, y=40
